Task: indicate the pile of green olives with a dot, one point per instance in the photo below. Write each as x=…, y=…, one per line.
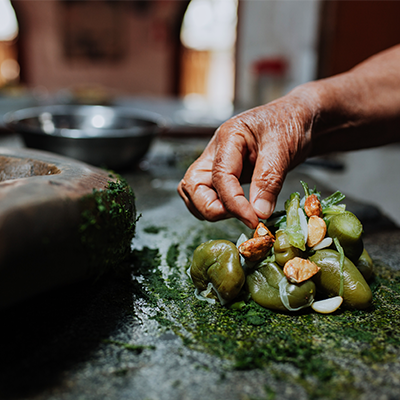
x=341, y=267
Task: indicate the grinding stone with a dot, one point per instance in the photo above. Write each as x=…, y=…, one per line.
x=40, y=214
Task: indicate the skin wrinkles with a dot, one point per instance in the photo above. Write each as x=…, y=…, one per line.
x=226, y=175
x=290, y=137
x=202, y=202
x=222, y=167
x=269, y=173
x=211, y=206
x=272, y=179
x=291, y=141
x=270, y=170
x=245, y=139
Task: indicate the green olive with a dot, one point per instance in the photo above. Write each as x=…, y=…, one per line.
x=283, y=250
x=300, y=294
x=218, y=262
x=264, y=287
x=347, y=228
x=365, y=265
x=356, y=292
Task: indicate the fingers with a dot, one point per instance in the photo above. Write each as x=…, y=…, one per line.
x=266, y=141
x=266, y=185
x=211, y=189
x=281, y=147
x=231, y=150
x=197, y=191
x=202, y=201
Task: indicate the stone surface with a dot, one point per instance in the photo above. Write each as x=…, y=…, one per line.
x=40, y=213
x=70, y=345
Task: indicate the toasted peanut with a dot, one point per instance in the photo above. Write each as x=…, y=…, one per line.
x=316, y=230
x=312, y=206
x=256, y=248
x=262, y=230
x=299, y=269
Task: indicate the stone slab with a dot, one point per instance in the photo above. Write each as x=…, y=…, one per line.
x=71, y=345
x=40, y=213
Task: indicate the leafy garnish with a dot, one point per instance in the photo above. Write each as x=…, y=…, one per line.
x=293, y=227
x=277, y=220
x=341, y=263
x=308, y=191
x=332, y=200
x=305, y=188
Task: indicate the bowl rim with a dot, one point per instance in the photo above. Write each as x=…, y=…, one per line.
x=13, y=120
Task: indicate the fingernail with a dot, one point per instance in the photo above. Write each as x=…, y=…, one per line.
x=263, y=206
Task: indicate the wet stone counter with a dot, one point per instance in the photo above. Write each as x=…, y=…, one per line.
x=141, y=334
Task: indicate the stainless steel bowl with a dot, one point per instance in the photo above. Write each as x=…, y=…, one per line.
x=111, y=137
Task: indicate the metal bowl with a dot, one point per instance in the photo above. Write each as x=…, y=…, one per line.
x=111, y=137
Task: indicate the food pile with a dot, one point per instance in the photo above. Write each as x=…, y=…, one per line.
x=309, y=255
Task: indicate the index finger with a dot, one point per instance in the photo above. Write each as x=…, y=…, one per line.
x=227, y=168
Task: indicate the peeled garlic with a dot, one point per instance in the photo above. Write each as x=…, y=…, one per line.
x=326, y=242
x=303, y=223
x=327, y=306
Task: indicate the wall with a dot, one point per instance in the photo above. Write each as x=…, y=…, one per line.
x=270, y=28
x=148, y=36
x=355, y=30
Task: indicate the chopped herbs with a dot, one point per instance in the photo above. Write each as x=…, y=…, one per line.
x=154, y=230
x=108, y=222
x=320, y=348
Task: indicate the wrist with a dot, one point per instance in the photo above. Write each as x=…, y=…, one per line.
x=353, y=110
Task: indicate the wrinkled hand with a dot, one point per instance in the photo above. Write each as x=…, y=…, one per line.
x=258, y=146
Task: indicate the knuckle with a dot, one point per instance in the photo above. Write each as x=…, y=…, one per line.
x=210, y=214
x=270, y=182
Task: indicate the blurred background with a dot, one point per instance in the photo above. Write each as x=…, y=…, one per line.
x=224, y=51
x=196, y=61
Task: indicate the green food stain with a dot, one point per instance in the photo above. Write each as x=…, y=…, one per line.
x=172, y=255
x=108, y=222
x=137, y=349
x=320, y=348
x=154, y=230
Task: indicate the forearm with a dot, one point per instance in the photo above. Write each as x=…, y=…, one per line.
x=357, y=109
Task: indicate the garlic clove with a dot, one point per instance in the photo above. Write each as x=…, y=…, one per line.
x=324, y=243
x=303, y=224
x=327, y=306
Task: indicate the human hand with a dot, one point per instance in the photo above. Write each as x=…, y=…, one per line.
x=261, y=145
x=258, y=146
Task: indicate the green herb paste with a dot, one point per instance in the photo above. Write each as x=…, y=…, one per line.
x=321, y=349
x=108, y=222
